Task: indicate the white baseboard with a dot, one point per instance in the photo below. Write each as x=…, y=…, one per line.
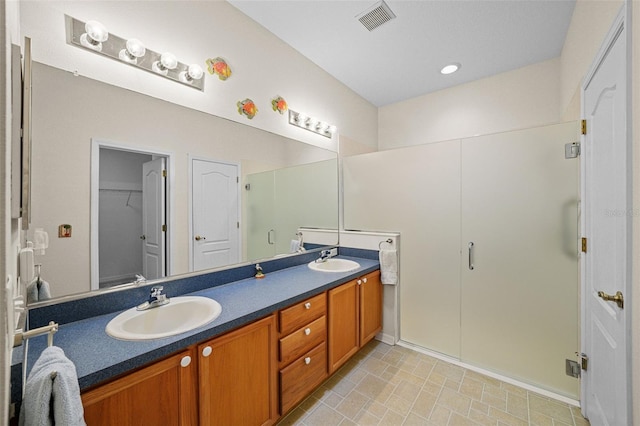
x=386, y=338
x=497, y=376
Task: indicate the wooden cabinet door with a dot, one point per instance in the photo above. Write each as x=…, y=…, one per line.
x=343, y=324
x=238, y=376
x=370, y=306
x=164, y=393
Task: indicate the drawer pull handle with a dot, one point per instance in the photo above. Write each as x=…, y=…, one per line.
x=364, y=280
x=307, y=331
x=207, y=351
x=307, y=360
x=185, y=361
x=307, y=305
x=359, y=282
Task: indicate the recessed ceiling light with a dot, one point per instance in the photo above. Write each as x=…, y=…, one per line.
x=450, y=69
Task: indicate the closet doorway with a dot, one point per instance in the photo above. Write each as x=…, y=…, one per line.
x=129, y=214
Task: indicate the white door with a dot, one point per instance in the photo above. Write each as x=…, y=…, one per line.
x=153, y=219
x=216, y=228
x=606, y=225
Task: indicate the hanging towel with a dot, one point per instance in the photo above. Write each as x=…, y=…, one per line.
x=388, y=266
x=52, y=399
x=38, y=291
x=32, y=291
x=44, y=291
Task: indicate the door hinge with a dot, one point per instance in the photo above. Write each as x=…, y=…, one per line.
x=583, y=127
x=164, y=173
x=237, y=179
x=164, y=228
x=584, y=245
x=584, y=360
x=238, y=225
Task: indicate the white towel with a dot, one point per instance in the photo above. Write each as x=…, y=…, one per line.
x=294, y=246
x=52, y=399
x=38, y=291
x=388, y=266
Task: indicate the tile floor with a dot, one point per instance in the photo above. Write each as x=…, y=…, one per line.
x=392, y=385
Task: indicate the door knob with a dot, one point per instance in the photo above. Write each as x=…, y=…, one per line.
x=618, y=298
x=198, y=238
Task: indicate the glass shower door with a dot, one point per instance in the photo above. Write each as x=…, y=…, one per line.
x=519, y=280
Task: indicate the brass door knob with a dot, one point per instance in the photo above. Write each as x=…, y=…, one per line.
x=618, y=298
x=198, y=238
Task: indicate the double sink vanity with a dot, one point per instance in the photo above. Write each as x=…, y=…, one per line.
x=224, y=350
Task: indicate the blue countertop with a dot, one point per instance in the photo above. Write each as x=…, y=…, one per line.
x=99, y=357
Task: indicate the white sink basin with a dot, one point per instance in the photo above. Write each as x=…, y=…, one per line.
x=334, y=265
x=180, y=315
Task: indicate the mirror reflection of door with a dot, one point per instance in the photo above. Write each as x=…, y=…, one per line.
x=131, y=216
x=215, y=213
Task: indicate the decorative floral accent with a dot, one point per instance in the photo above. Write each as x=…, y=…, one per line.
x=279, y=104
x=248, y=108
x=219, y=67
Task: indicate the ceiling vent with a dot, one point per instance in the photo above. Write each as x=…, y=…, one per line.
x=375, y=16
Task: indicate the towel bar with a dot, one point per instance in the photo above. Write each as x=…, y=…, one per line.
x=50, y=329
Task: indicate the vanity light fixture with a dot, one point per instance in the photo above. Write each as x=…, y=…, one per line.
x=311, y=124
x=168, y=61
x=133, y=50
x=450, y=69
x=94, y=37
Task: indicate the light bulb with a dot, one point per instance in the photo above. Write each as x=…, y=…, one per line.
x=96, y=33
x=331, y=129
x=168, y=61
x=134, y=50
x=193, y=72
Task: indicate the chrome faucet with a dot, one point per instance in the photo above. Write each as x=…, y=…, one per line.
x=140, y=279
x=156, y=298
x=324, y=256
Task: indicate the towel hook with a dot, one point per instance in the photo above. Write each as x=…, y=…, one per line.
x=388, y=241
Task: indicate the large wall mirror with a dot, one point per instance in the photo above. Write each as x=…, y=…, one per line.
x=233, y=193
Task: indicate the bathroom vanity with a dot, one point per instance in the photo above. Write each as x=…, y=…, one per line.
x=276, y=340
x=251, y=375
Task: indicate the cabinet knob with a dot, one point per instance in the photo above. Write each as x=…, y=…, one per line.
x=307, y=360
x=307, y=331
x=359, y=282
x=307, y=305
x=185, y=361
x=207, y=351
x=364, y=280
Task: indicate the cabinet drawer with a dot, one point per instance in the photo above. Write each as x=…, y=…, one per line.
x=298, y=315
x=301, y=377
x=302, y=340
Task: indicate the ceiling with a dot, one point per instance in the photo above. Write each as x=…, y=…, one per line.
x=402, y=58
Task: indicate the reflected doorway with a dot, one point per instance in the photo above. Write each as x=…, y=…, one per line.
x=129, y=215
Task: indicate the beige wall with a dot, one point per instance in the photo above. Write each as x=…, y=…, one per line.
x=526, y=97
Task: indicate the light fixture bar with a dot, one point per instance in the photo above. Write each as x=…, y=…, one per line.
x=114, y=45
x=311, y=124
